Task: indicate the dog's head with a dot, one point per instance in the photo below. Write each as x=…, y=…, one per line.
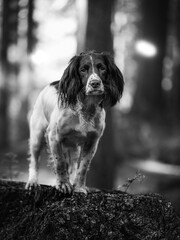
x=91, y=74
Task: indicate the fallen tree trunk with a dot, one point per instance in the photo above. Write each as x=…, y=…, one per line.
x=46, y=214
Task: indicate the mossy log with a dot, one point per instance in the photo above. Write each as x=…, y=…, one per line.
x=47, y=214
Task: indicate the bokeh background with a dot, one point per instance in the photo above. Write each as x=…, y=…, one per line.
x=141, y=145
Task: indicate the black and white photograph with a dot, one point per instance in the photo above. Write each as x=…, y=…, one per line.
x=90, y=119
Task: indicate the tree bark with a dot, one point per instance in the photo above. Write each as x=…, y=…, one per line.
x=46, y=214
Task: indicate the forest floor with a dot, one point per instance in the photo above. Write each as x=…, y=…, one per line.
x=45, y=213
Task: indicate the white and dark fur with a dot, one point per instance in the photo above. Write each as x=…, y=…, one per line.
x=71, y=114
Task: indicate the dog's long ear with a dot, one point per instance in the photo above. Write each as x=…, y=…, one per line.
x=115, y=82
x=70, y=84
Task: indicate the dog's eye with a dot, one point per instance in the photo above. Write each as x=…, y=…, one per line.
x=83, y=70
x=101, y=67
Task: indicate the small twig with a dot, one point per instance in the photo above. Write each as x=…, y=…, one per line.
x=138, y=176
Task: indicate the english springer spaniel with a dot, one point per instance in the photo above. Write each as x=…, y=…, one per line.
x=70, y=113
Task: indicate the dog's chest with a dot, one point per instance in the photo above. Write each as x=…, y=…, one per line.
x=74, y=131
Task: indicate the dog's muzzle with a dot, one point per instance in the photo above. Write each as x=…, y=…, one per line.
x=94, y=85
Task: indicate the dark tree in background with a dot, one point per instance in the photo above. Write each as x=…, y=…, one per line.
x=9, y=36
x=158, y=82
x=14, y=15
x=99, y=37
x=28, y=36
x=173, y=55
x=32, y=25
x=149, y=98
x=98, y=33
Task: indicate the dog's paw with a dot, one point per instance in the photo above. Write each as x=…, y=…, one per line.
x=30, y=185
x=64, y=187
x=82, y=189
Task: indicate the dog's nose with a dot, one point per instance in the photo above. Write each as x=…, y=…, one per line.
x=95, y=84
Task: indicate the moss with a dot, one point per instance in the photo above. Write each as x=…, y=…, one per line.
x=46, y=214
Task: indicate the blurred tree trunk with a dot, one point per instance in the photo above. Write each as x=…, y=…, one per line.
x=17, y=35
x=98, y=33
x=29, y=40
x=31, y=36
x=81, y=8
x=175, y=58
x=9, y=36
x=99, y=38
x=149, y=99
x=4, y=68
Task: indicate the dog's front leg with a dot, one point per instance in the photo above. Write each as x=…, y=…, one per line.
x=88, y=152
x=35, y=146
x=61, y=164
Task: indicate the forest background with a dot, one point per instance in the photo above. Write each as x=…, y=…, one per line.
x=142, y=137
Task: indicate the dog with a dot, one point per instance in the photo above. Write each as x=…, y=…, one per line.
x=71, y=114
